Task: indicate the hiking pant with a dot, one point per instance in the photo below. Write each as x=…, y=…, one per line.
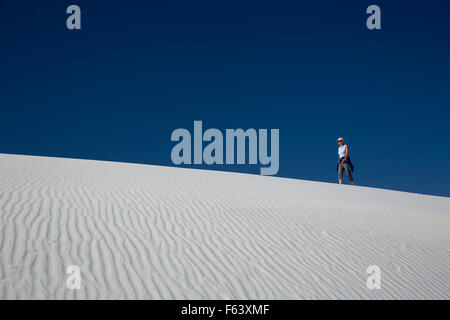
x=341, y=168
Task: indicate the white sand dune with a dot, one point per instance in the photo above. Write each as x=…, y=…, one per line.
x=150, y=232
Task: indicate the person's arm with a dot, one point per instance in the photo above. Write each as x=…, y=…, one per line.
x=346, y=154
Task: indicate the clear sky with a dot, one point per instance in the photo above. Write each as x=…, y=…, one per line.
x=137, y=70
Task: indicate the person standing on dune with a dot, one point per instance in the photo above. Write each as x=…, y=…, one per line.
x=344, y=162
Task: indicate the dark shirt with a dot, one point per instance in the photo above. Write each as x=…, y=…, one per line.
x=349, y=163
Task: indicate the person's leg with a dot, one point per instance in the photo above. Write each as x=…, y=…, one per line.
x=340, y=172
x=349, y=173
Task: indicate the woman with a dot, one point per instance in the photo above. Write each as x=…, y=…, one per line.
x=344, y=161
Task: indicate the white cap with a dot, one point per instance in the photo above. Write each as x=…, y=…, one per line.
x=340, y=139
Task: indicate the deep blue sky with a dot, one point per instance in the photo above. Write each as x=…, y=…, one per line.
x=137, y=70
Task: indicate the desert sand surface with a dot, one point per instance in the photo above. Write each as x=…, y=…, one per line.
x=152, y=232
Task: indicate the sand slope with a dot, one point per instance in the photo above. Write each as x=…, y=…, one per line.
x=151, y=232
